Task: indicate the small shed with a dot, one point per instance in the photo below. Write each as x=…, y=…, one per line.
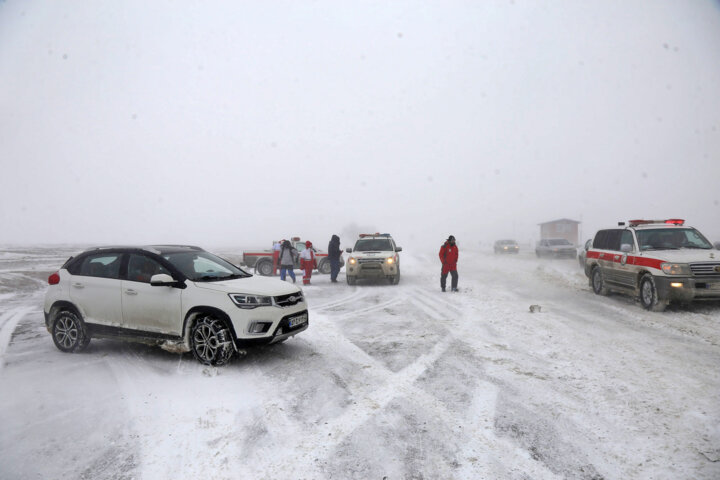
x=563, y=228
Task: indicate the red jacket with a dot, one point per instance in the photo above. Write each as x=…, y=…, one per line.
x=449, y=256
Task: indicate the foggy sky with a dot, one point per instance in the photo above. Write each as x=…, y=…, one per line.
x=234, y=123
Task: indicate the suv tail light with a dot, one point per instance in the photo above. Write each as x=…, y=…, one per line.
x=54, y=279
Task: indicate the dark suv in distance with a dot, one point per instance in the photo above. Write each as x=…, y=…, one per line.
x=506, y=246
x=556, y=248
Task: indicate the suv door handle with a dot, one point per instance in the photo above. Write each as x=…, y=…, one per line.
x=601, y=255
x=617, y=257
x=130, y=291
x=78, y=285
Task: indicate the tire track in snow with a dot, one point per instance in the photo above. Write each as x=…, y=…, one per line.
x=8, y=322
x=484, y=445
x=354, y=296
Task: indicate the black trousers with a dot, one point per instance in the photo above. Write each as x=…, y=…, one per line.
x=443, y=279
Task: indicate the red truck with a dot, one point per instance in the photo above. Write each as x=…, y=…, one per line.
x=262, y=261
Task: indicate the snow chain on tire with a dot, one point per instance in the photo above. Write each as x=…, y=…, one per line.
x=211, y=341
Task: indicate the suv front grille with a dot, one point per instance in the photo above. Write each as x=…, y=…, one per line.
x=379, y=261
x=706, y=269
x=288, y=300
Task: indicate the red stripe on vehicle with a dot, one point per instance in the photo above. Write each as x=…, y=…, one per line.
x=647, y=262
x=631, y=260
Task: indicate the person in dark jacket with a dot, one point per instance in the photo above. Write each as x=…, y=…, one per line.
x=449, y=257
x=334, y=253
x=288, y=256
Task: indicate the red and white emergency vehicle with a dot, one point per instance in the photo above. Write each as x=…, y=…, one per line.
x=659, y=261
x=262, y=260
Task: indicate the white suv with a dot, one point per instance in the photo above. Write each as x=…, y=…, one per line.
x=659, y=261
x=179, y=297
x=374, y=256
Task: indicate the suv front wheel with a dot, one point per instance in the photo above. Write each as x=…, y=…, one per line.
x=649, y=296
x=211, y=341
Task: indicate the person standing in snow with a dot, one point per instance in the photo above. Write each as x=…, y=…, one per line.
x=334, y=253
x=288, y=255
x=307, y=262
x=449, y=257
x=276, y=255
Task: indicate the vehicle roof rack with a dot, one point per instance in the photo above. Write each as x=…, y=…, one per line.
x=363, y=235
x=669, y=221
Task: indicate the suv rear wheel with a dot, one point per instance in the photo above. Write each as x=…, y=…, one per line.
x=69, y=332
x=211, y=341
x=324, y=266
x=649, y=296
x=597, y=282
x=264, y=267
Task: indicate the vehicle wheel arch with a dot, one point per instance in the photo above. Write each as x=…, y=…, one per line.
x=199, y=310
x=59, y=306
x=639, y=277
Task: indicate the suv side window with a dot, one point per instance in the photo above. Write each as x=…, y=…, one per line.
x=613, y=240
x=142, y=268
x=600, y=240
x=627, y=238
x=103, y=265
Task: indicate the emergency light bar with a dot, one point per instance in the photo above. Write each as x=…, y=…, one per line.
x=669, y=221
x=363, y=235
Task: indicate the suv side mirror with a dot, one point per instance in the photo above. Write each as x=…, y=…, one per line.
x=348, y=250
x=626, y=248
x=398, y=249
x=163, y=280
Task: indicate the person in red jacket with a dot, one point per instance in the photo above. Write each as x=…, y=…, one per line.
x=449, y=257
x=307, y=262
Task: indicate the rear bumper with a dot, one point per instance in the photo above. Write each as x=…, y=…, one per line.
x=686, y=289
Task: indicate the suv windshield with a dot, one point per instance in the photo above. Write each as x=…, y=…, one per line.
x=373, y=244
x=671, y=239
x=559, y=241
x=204, y=266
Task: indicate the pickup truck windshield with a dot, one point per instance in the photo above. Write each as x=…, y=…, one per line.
x=204, y=266
x=373, y=245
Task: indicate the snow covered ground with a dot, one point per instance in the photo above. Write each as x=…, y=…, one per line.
x=389, y=382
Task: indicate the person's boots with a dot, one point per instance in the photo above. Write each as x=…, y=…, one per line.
x=443, y=288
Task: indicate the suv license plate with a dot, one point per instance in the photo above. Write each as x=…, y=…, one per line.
x=299, y=320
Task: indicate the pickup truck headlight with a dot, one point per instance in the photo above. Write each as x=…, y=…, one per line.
x=244, y=300
x=352, y=261
x=675, y=268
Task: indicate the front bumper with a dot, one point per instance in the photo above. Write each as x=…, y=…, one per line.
x=274, y=321
x=371, y=269
x=686, y=289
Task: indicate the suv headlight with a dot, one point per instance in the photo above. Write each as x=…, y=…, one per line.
x=352, y=261
x=675, y=268
x=244, y=300
x=390, y=260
